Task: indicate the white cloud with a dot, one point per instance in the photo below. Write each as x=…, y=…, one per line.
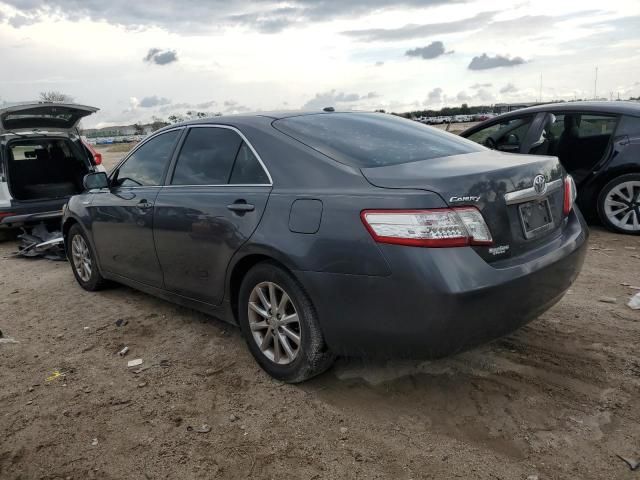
x=279, y=55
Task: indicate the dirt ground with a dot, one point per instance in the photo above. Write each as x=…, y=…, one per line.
x=557, y=399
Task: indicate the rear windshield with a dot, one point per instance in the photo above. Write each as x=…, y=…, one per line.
x=366, y=140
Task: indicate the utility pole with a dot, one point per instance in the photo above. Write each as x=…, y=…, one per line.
x=595, y=86
x=540, y=94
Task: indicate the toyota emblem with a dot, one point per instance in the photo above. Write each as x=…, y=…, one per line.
x=540, y=184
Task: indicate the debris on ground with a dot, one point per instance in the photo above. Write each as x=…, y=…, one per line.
x=633, y=463
x=40, y=242
x=607, y=299
x=8, y=340
x=204, y=428
x=55, y=374
x=124, y=351
x=634, y=302
x=94, y=443
x=121, y=323
x=134, y=363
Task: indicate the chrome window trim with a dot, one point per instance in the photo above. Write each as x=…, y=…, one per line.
x=222, y=185
x=528, y=194
x=253, y=150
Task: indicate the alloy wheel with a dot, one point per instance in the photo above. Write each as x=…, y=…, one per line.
x=274, y=323
x=81, y=258
x=622, y=206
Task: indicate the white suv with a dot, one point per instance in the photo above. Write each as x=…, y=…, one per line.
x=43, y=161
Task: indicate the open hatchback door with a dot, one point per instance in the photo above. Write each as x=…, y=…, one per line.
x=42, y=160
x=43, y=116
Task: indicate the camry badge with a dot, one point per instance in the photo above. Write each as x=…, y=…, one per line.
x=540, y=184
x=465, y=199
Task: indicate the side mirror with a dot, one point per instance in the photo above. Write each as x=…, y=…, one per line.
x=96, y=180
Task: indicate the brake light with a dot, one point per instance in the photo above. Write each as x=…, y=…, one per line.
x=443, y=227
x=570, y=194
x=6, y=214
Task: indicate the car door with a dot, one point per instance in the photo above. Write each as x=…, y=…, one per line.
x=212, y=203
x=122, y=216
x=582, y=141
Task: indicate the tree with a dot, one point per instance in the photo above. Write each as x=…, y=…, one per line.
x=176, y=118
x=55, y=96
x=157, y=123
x=139, y=129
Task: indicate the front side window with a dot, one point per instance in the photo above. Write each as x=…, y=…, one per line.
x=146, y=166
x=207, y=157
x=506, y=136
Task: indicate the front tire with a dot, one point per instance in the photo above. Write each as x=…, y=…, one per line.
x=83, y=260
x=280, y=325
x=619, y=204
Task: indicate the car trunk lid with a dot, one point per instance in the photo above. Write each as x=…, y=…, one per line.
x=500, y=185
x=43, y=116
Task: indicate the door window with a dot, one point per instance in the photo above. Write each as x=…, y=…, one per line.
x=207, y=157
x=506, y=136
x=146, y=166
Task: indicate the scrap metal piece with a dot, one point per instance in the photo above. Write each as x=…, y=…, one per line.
x=40, y=242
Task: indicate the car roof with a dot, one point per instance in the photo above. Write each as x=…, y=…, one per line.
x=620, y=107
x=255, y=118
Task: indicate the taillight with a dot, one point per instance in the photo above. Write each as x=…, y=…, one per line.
x=97, y=157
x=570, y=194
x=6, y=214
x=443, y=227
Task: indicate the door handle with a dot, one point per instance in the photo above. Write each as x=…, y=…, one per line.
x=241, y=207
x=143, y=204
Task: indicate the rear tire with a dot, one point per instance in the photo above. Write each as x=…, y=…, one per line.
x=274, y=311
x=83, y=260
x=619, y=204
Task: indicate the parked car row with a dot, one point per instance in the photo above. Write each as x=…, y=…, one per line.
x=117, y=139
x=454, y=119
x=324, y=234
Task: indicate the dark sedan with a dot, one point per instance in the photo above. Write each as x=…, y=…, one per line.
x=332, y=234
x=598, y=143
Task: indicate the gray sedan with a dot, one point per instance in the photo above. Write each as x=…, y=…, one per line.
x=324, y=234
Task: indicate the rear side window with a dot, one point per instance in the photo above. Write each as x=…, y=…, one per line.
x=146, y=166
x=207, y=157
x=373, y=139
x=247, y=170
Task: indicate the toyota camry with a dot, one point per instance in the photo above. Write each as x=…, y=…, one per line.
x=324, y=234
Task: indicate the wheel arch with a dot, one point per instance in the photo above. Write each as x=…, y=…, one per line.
x=241, y=267
x=593, y=190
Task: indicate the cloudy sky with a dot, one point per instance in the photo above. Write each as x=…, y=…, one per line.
x=137, y=59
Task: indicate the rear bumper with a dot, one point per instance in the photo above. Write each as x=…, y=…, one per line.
x=441, y=301
x=19, y=219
